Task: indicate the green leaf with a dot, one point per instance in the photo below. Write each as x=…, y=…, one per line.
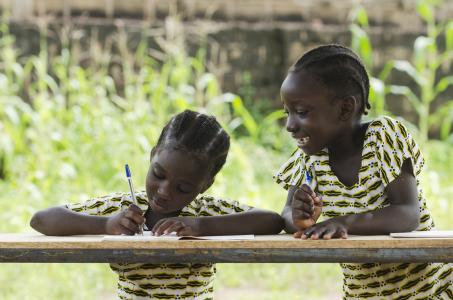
x=449, y=36
x=361, y=43
x=405, y=91
x=406, y=67
x=425, y=11
x=443, y=84
x=361, y=16
x=247, y=120
x=423, y=49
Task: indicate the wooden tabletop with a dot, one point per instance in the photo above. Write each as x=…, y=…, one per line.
x=29, y=247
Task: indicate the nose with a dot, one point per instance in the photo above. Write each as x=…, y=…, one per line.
x=291, y=124
x=163, y=190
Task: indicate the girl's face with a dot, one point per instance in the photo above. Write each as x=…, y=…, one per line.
x=313, y=116
x=175, y=179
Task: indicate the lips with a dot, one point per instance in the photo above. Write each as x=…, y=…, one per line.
x=159, y=203
x=302, y=141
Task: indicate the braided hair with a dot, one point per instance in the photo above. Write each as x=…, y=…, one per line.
x=198, y=134
x=339, y=69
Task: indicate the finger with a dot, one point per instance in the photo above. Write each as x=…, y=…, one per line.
x=305, y=203
x=162, y=227
x=135, y=208
x=317, y=201
x=342, y=233
x=308, y=208
x=307, y=190
x=129, y=224
x=312, y=233
x=185, y=230
x=157, y=224
x=319, y=232
x=328, y=233
x=314, y=236
x=175, y=227
x=137, y=217
x=301, y=194
x=125, y=230
x=301, y=215
x=298, y=234
x=307, y=232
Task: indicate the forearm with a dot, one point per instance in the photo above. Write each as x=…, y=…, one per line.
x=393, y=218
x=62, y=221
x=254, y=221
x=289, y=226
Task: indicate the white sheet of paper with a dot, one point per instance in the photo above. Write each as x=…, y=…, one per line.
x=423, y=234
x=172, y=236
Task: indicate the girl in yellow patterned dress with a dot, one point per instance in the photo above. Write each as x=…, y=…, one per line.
x=362, y=177
x=190, y=151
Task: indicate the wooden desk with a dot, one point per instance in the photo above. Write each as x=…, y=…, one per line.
x=263, y=249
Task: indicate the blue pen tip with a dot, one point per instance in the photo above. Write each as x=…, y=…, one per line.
x=128, y=172
x=307, y=175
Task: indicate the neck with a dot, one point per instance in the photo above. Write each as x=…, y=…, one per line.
x=349, y=143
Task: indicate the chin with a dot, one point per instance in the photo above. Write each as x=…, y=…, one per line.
x=309, y=150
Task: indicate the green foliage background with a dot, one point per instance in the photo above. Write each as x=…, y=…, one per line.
x=66, y=131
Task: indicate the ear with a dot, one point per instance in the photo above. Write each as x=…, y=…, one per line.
x=347, y=107
x=207, y=186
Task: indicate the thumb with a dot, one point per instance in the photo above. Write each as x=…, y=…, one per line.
x=307, y=189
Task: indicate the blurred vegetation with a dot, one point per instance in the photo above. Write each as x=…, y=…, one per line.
x=432, y=57
x=69, y=122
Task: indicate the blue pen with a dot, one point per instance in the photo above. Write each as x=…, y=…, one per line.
x=308, y=178
x=131, y=187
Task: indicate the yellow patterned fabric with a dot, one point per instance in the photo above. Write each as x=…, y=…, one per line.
x=162, y=281
x=387, y=145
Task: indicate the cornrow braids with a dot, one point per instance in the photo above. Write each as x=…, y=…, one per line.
x=198, y=134
x=338, y=68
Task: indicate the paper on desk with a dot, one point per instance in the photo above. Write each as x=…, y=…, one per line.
x=172, y=236
x=423, y=234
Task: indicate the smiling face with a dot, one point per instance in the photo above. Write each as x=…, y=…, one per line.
x=175, y=178
x=314, y=116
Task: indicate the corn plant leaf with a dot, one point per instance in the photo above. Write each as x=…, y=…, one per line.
x=442, y=85
x=362, y=44
x=407, y=92
x=408, y=68
x=424, y=47
x=247, y=120
x=425, y=11
x=449, y=36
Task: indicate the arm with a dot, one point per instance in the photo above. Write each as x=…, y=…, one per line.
x=62, y=221
x=253, y=221
x=287, y=216
x=401, y=215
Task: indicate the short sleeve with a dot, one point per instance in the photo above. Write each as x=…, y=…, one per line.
x=108, y=205
x=210, y=206
x=292, y=172
x=394, y=144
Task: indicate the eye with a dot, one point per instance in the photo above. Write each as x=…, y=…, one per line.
x=157, y=174
x=302, y=113
x=184, y=189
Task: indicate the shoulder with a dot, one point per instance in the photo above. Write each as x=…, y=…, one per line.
x=211, y=206
x=389, y=125
x=109, y=203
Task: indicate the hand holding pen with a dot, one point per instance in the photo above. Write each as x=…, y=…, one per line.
x=134, y=199
x=306, y=205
